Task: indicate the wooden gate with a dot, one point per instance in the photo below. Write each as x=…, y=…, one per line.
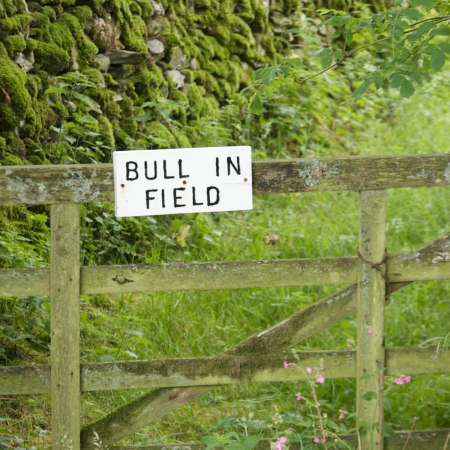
x=371, y=275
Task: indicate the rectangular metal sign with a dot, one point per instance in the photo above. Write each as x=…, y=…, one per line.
x=157, y=182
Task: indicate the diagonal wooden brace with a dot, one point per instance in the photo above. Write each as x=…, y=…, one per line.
x=284, y=335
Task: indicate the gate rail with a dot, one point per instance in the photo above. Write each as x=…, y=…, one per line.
x=373, y=276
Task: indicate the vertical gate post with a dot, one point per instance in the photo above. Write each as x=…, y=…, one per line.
x=65, y=326
x=370, y=322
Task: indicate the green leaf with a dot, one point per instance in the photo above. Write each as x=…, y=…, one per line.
x=387, y=430
x=55, y=90
x=437, y=57
x=256, y=105
x=426, y=3
x=337, y=21
x=370, y=395
x=377, y=79
x=396, y=80
x=445, y=46
x=421, y=31
x=443, y=30
x=411, y=13
x=269, y=76
x=361, y=89
x=326, y=58
x=406, y=89
x=88, y=101
x=259, y=73
x=144, y=117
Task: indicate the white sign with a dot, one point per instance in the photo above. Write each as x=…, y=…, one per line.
x=156, y=182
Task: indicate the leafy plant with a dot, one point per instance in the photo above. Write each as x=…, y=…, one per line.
x=409, y=43
x=79, y=125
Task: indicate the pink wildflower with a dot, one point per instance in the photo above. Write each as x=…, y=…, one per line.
x=309, y=370
x=298, y=396
x=342, y=413
x=402, y=379
x=370, y=330
x=316, y=440
x=286, y=364
x=320, y=379
x=279, y=444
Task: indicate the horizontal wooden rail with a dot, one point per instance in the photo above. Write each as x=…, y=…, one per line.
x=219, y=370
x=225, y=275
x=416, y=440
x=78, y=183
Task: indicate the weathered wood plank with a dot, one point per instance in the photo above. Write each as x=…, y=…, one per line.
x=416, y=440
x=220, y=370
x=370, y=319
x=86, y=183
x=219, y=275
x=65, y=326
x=429, y=263
x=24, y=282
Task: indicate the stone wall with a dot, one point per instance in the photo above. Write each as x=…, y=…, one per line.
x=79, y=79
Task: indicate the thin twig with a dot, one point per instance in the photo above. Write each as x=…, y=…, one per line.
x=446, y=441
x=410, y=432
x=321, y=425
x=437, y=19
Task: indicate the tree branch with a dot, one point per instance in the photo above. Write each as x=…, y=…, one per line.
x=413, y=27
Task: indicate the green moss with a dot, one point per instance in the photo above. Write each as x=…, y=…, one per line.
x=128, y=121
x=86, y=48
x=2, y=143
x=49, y=12
x=9, y=159
x=148, y=83
x=181, y=138
x=210, y=107
x=106, y=131
x=133, y=33
x=15, y=24
x=195, y=97
x=121, y=138
x=15, y=101
x=160, y=135
x=10, y=7
x=48, y=56
x=15, y=43
x=82, y=13
x=106, y=98
x=57, y=152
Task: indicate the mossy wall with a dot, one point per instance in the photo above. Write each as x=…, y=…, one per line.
x=80, y=79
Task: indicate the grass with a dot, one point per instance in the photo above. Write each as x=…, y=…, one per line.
x=205, y=323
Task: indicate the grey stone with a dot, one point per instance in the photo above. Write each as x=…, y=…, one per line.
x=158, y=9
x=177, y=77
x=120, y=57
x=25, y=61
x=155, y=26
x=179, y=59
x=194, y=64
x=155, y=46
x=103, y=62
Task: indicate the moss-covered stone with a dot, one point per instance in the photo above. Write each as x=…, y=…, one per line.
x=211, y=43
x=15, y=24
x=48, y=56
x=15, y=101
x=14, y=44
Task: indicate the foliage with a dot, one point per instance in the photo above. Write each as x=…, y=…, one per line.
x=409, y=42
